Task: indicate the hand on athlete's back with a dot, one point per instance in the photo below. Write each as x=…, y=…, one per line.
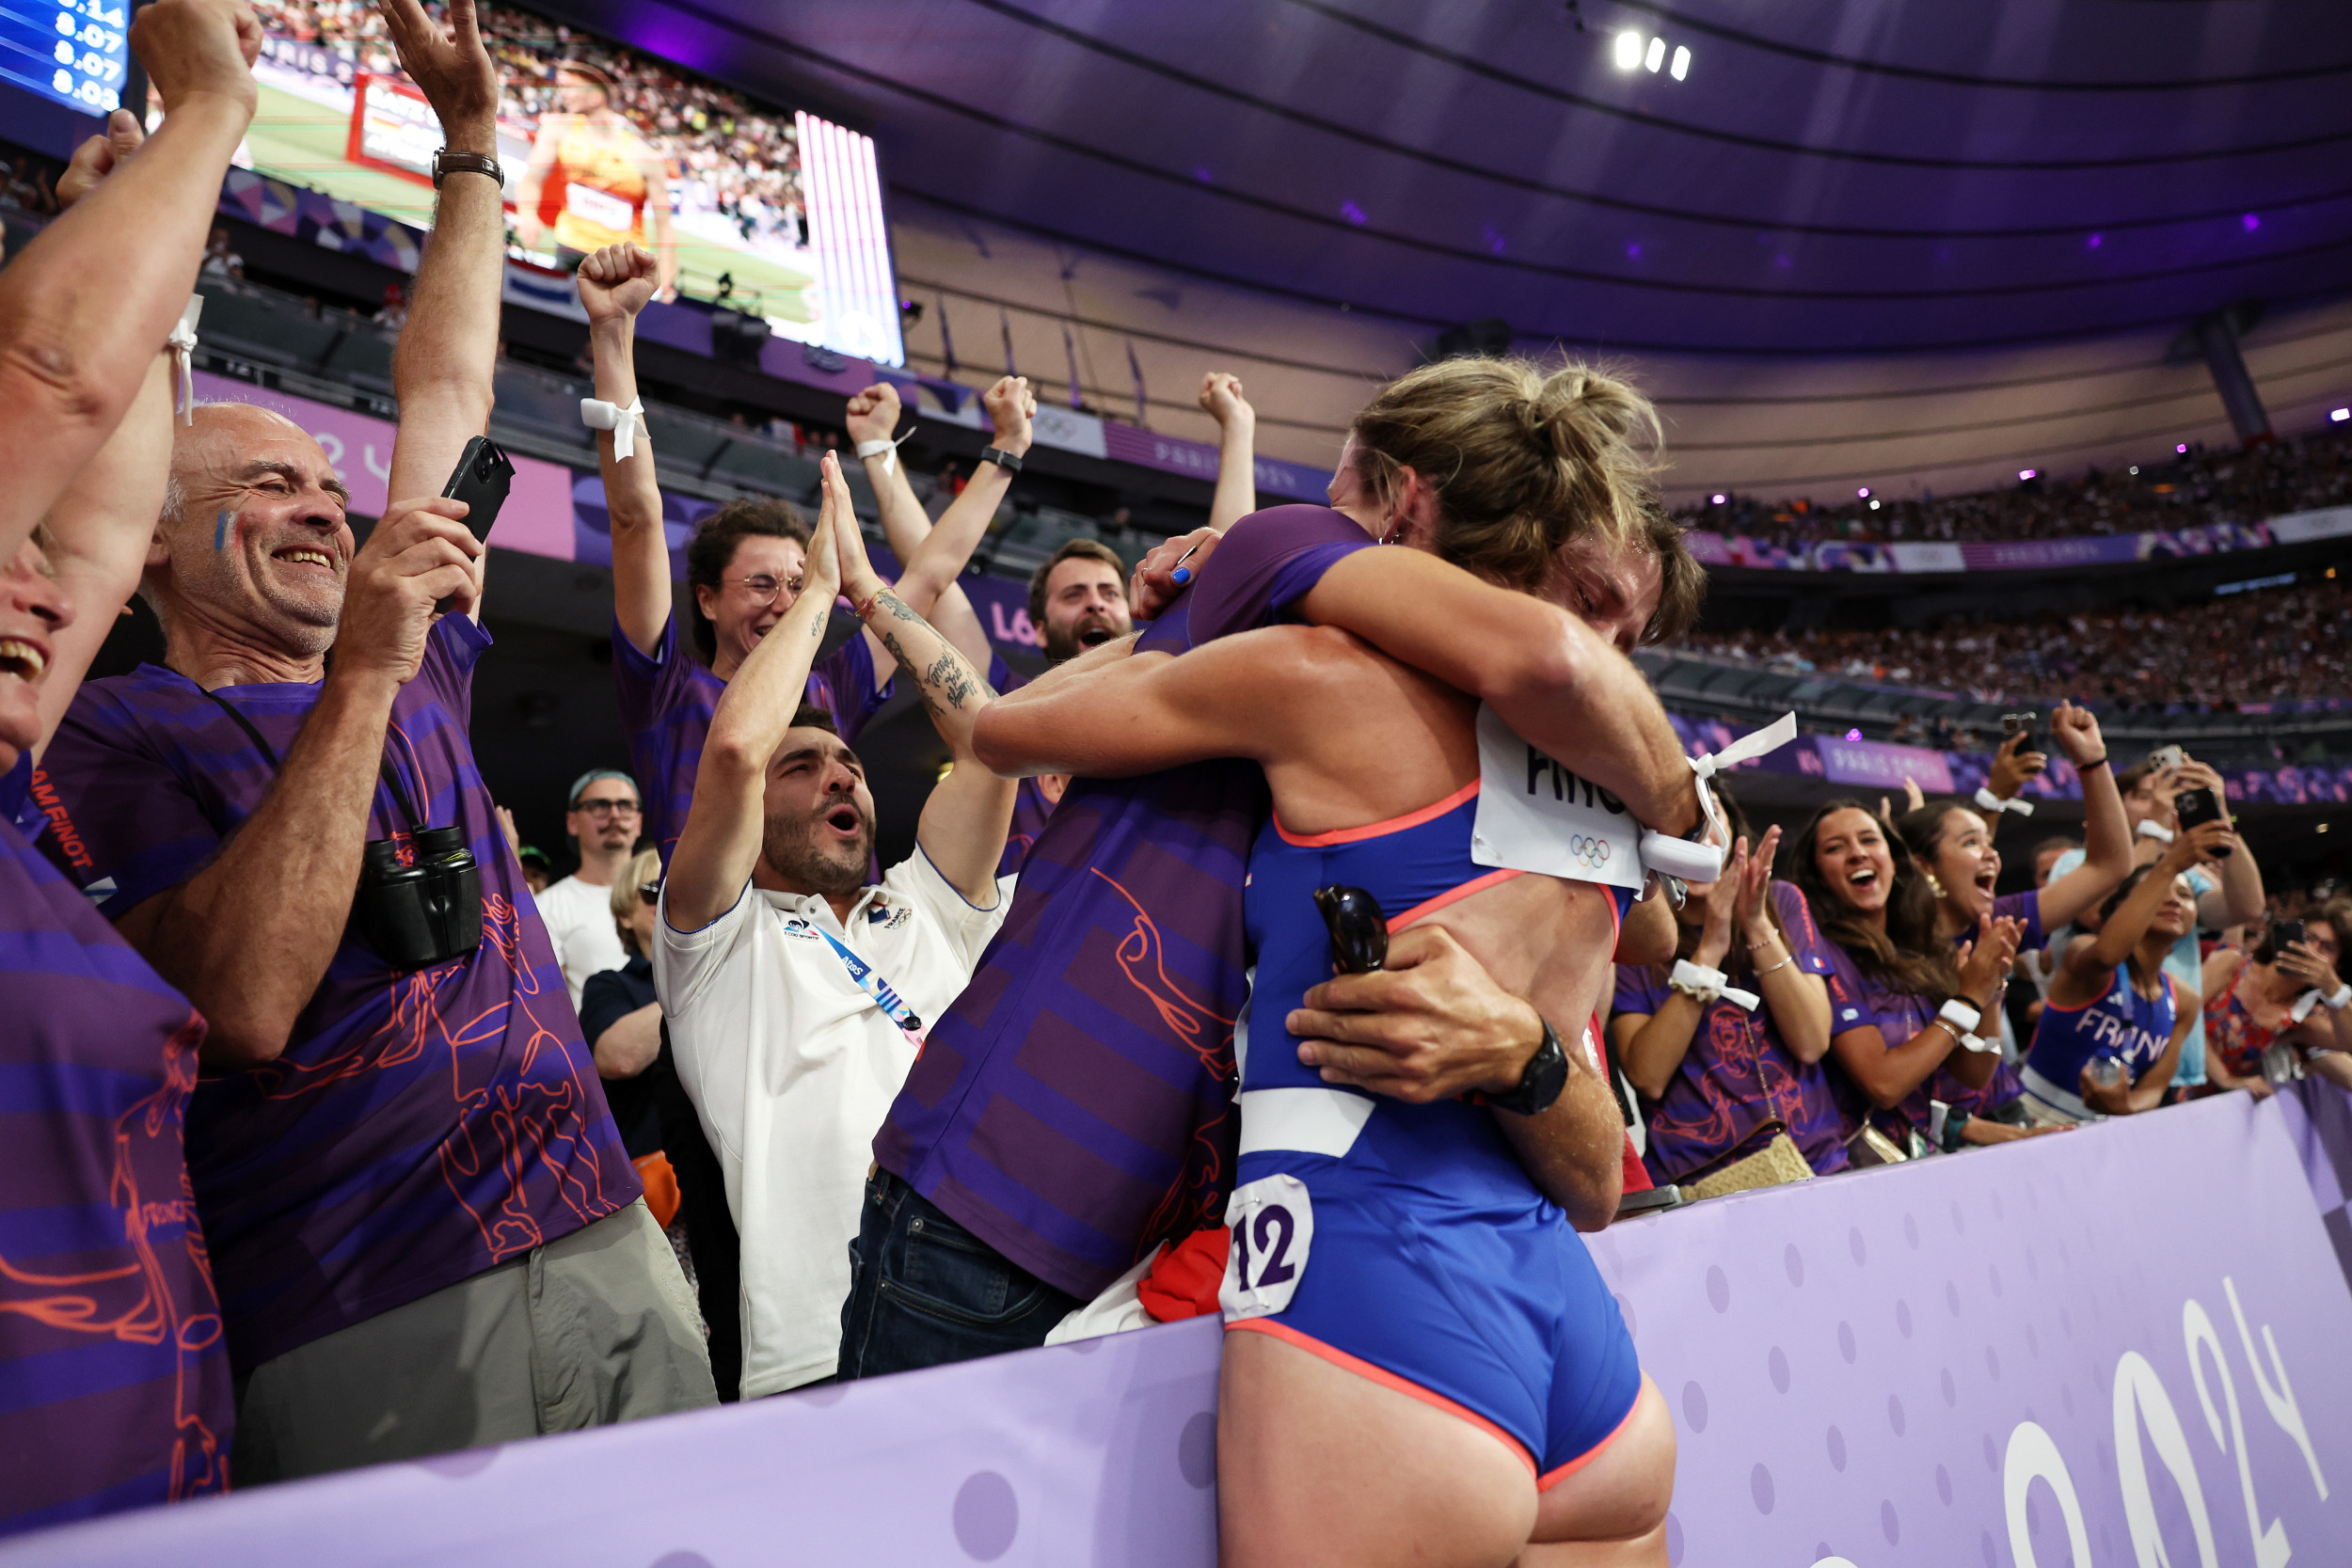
x=1430, y=1025
x=1156, y=585
x=614, y=283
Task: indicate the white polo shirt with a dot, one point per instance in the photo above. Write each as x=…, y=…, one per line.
x=792, y=1067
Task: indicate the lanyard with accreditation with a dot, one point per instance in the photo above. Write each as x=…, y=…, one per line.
x=877, y=989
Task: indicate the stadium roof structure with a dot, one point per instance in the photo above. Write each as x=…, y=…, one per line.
x=1818, y=176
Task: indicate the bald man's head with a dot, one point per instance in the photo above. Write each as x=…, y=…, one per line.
x=253, y=539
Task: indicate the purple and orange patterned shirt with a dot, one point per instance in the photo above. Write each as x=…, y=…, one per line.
x=117, y=1384
x=667, y=698
x=423, y=1125
x=1075, y=1108
x=1737, y=1073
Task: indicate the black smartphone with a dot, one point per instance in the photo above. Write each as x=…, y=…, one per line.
x=484, y=475
x=1360, y=932
x=2191, y=807
x=2021, y=723
x=1657, y=1201
x=2284, y=932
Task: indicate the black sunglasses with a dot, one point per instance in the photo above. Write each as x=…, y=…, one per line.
x=649, y=893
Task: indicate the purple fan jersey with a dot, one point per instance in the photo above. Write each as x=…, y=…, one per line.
x=117, y=1386
x=423, y=1125
x=1075, y=1108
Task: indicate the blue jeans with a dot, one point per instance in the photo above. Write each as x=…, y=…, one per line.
x=925, y=1291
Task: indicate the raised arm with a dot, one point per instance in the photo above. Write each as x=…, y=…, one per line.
x=1236, y=450
x=443, y=368
x=1553, y=680
x=933, y=569
x=720, y=847
x=614, y=285
x=963, y=824
x=2084, y=971
x=2240, y=897
x=98, y=531
x=85, y=307
x=2106, y=832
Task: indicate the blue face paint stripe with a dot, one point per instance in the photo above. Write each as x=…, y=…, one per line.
x=220, y=532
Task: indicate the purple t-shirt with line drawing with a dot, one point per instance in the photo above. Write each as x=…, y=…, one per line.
x=117, y=1386
x=423, y=1125
x=1030, y=805
x=1075, y=1107
x=1738, y=1073
x=666, y=700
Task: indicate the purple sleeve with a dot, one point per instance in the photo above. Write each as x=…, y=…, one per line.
x=848, y=686
x=1849, y=1005
x=451, y=652
x=1002, y=677
x=127, y=822
x=1806, y=942
x=1639, y=991
x=647, y=686
x=1266, y=563
x=2026, y=907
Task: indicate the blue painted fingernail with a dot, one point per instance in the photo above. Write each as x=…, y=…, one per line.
x=1183, y=576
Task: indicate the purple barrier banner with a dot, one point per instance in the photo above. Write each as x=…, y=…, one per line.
x=2131, y=1335
x=2318, y=1119
x=1879, y=766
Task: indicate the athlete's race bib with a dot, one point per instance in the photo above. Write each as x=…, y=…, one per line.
x=601, y=207
x=1535, y=815
x=1272, y=1220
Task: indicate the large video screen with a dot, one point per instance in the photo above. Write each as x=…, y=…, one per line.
x=71, y=51
x=782, y=213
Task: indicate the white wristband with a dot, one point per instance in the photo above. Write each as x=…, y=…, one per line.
x=878, y=448
x=2339, y=999
x=1702, y=861
x=626, y=424
x=2150, y=828
x=1704, y=985
x=1964, y=1020
x=183, y=346
x=1991, y=801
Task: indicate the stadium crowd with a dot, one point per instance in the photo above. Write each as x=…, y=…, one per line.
x=2192, y=488
x=2263, y=645
x=726, y=156
x=353, y=1139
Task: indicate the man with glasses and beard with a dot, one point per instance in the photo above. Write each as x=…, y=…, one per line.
x=601, y=815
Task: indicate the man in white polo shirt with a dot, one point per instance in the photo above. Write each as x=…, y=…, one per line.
x=796, y=992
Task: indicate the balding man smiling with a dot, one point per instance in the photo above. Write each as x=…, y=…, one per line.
x=425, y=1230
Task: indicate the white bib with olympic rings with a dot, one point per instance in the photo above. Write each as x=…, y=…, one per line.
x=1535, y=815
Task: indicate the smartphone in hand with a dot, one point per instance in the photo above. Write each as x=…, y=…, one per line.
x=484, y=475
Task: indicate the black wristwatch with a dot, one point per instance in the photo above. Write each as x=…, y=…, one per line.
x=1546, y=1074
x=446, y=161
x=1002, y=458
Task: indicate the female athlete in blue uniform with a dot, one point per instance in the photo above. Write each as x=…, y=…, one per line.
x=1423, y=1365
x=2111, y=1031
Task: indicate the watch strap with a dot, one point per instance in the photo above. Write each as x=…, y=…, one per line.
x=446, y=161
x=1002, y=458
x=1540, y=1083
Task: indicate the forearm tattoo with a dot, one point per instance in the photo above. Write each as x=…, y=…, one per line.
x=950, y=684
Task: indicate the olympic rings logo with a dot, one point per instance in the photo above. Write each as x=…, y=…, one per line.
x=1591, y=850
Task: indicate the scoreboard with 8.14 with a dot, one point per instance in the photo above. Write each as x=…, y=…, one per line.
x=71, y=51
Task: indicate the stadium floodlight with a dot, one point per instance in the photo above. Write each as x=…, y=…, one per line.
x=1874, y=506
x=1657, y=55
x=2025, y=474
x=2340, y=415
x=1718, y=500
x=1629, y=51
x=1854, y=734
x=1863, y=493
x=2180, y=447
x=1681, y=66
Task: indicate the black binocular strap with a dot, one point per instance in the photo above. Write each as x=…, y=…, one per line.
x=383, y=764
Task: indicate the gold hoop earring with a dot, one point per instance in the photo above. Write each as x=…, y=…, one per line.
x=1935, y=885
